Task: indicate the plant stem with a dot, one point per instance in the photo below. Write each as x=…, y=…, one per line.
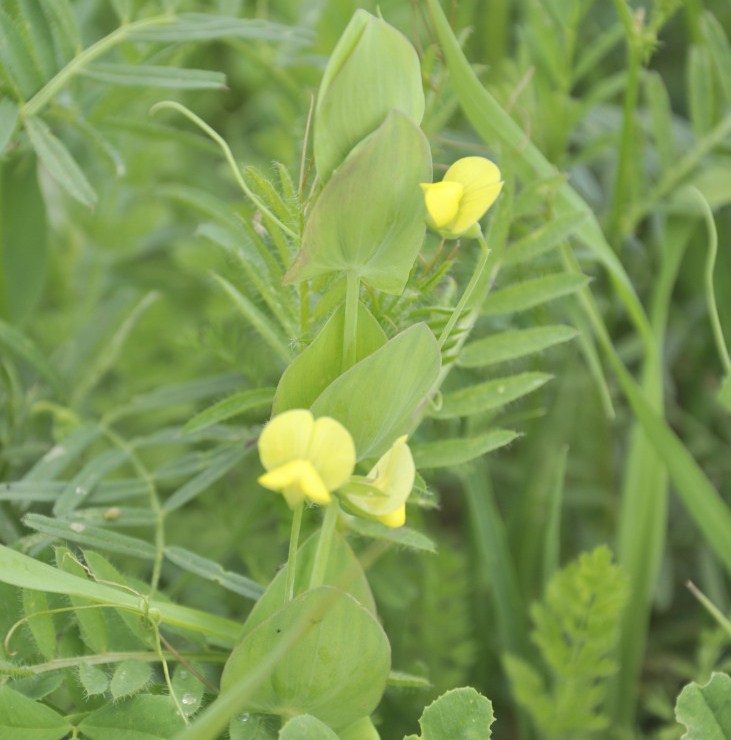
x=350, y=323
x=294, y=538
x=454, y=318
x=322, y=553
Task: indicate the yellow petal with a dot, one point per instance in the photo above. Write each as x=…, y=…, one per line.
x=285, y=438
x=442, y=202
x=284, y=476
x=297, y=480
x=481, y=181
x=312, y=486
x=395, y=519
x=331, y=452
x=393, y=475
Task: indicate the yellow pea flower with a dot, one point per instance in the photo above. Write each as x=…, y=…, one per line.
x=305, y=458
x=456, y=204
x=393, y=476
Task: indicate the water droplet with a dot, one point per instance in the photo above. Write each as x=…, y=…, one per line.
x=77, y=527
x=80, y=491
x=189, y=699
x=244, y=717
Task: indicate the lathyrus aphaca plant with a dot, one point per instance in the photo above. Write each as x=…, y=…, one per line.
x=345, y=406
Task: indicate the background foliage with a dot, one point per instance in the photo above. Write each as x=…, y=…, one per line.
x=138, y=286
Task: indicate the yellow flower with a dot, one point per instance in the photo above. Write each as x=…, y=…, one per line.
x=456, y=204
x=305, y=458
x=393, y=478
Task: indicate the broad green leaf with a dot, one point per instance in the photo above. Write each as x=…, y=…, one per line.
x=369, y=217
x=38, y=686
x=93, y=679
x=706, y=710
x=529, y=293
x=490, y=395
x=248, y=726
x=58, y=161
x=92, y=623
x=238, y=403
x=25, y=719
x=343, y=646
x=213, y=571
x=145, y=717
x=344, y=571
x=129, y=677
x=23, y=571
x=319, y=364
x=510, y=345
x=41, y=625
x=402, y=536
x=359, y=88
x=377, y=404
x=147, y=75
x=306, y=727
x=361, y=729
x=188, y=689
x=90, y=536
x=8, y=121
x=448, y=452
x=459, y=713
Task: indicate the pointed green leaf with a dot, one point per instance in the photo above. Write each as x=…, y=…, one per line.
x=145, y=717
x=21, y=717
x=529, y=293
x=238, y=403
x=369, y=218
x=510, y=345
x=317, y=366
x=148, y=75
x=448, y=452
x=359, y=88
x=306, y=727
x=93, y=679
x=377, y=399
x=188, y=689
x=129, y=677
x=18, y=344
x=401, y=536
x=40, y=624
x=8, y=121
x=544, y=239
x=490, y=395
x=58, y=161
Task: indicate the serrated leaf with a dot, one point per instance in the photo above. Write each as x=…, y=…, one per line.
x=58, y=161
x=129, y=677
x=41, y=625
x=21, y=717
x=213, y=571
x=141, y=717
x=490, y=395
x=448, y=452
x=403, y=536
x=148, y=75
x=306, y=727
x=529, y=293
x=93, y=679
x=238, y=403
x=706, y=710
x=510, y=345
x=459, y=713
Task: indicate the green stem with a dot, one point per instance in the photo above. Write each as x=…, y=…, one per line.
x=474, y=280
x=350, y=324
x=213, y=134
x=322, y=554
x=294, y=537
